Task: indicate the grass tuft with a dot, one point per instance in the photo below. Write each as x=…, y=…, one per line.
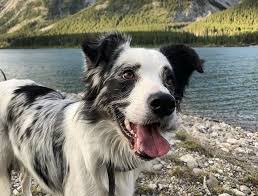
x=182, y=135
x=251, y=179
x=192, y=144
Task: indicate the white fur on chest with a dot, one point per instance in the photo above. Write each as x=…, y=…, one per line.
x=85, y=173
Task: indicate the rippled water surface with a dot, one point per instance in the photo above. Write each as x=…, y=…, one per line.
x=227, y=91
x=57, y=68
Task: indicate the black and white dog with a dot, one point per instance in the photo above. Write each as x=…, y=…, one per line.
x=69, y=146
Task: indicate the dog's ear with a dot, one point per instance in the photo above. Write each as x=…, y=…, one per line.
x=102, y=50
x=184, y=61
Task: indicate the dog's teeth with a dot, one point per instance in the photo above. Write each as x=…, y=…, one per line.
x=127, y=125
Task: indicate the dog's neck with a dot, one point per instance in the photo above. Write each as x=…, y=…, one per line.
x=102, y=140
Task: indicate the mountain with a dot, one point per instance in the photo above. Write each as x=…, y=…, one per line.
x=201, y=8
x=16, y=14
x=60, y=8
x=27, y=15
x=73, y=16
x=240, y=19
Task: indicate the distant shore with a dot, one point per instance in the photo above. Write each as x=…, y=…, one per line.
x=140, y=38
x=138, y=45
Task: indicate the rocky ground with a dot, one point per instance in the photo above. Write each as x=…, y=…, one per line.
x=207, y=158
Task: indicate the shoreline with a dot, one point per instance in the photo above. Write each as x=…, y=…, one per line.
x=207, y=157
x=140, y=38
x=143, y=45
x=232, y=123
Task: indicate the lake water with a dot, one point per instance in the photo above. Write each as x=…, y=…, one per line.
x=227, y=91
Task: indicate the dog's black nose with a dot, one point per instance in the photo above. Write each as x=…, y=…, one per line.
x=162, y=104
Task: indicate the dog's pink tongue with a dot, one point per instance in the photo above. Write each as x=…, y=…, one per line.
x=150, y=142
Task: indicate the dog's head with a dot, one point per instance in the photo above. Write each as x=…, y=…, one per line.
x=137, y=88
x=184, y=61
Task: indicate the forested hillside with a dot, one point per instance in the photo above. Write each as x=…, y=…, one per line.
x=242, y=18
x=144, y=15
x=36, y=16
x=134, y=15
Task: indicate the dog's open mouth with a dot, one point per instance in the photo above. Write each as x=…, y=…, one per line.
x=145, y=140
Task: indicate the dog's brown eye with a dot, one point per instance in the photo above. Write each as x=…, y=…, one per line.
x=129, y=75
x=169, y=81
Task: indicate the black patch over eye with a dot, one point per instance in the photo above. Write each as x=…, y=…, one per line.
x=128, y=75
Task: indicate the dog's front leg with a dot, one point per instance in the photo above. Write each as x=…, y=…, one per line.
x=25, y=180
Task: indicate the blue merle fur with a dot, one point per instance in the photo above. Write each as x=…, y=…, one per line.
x=44, y=135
